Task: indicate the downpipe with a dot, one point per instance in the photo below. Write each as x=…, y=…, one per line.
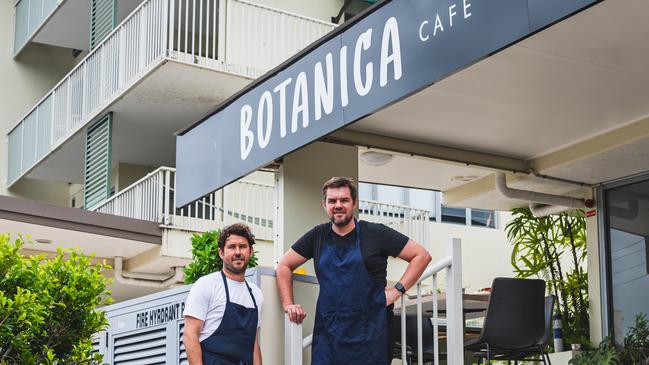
x=147, y=280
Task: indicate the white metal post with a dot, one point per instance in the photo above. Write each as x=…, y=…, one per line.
x=292, y=342
x=420, y=350
x=454, y=318
x=224, y=30
x=167, y=27
x=403, y=330
x=160, y=196
x=278, y=215
x=167, y=184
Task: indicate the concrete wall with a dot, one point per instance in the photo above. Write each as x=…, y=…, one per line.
x=126, y=174
x=272, y=329
x=485, y=253
x=25, y=81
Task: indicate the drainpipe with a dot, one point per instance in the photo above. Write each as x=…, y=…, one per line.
x=542, y=210
x=550, y=203
x=148, y=280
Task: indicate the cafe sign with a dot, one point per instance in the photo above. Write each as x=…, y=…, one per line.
x=394, y=50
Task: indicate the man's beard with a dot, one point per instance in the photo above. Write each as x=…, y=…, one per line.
x=341, y=223
x=232, y=269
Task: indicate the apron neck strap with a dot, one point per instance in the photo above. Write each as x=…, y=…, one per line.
x=225, y=285
x=227, y=291
x=357, y=228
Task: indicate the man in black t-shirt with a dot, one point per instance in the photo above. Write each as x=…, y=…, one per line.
x=354, y=313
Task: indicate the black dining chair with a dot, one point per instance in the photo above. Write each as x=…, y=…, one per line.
x=428, y=347
x=539, y=348
x=514, y=322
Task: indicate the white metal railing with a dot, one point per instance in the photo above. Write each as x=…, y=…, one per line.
x=118, y=61
x=226, y=35
x=152, y=198
x=412, y=222
x=294, y=343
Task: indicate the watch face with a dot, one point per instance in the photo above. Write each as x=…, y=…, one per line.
x=400, y=288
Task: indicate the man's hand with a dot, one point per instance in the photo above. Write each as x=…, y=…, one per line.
x=391, y=296
x=295, y=313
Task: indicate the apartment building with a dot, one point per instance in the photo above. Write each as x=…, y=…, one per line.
x=92, y=95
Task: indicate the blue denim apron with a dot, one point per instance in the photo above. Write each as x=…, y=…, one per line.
x=233, y=343
x=350, y=322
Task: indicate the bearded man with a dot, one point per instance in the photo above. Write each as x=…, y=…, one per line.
x=354, y=314
x=223, y=310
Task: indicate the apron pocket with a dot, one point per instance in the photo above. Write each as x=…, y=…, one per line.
x=350, y=327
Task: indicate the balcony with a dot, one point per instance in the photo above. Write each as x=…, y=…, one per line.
x=152, y=199
x=31, y=15
x=165, y=66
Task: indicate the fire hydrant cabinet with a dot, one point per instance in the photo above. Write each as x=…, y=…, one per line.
x=148, y=330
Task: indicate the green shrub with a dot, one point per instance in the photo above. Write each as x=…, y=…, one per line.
x=636, y=342
x=206, y=259
x=605, y=354
x=47, y=306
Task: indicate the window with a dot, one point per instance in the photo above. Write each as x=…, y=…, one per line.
x=627, y=255
x=483, y=218
x=427, y=200
x=453, y=215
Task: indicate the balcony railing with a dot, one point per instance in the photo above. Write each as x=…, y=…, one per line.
x=152, y=199
x=227, y=35
x=410, y=221
x=30, y=15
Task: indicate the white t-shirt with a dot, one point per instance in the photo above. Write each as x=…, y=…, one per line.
x=206, y=300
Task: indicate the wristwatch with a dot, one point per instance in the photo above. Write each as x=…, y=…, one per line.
x=400, y=288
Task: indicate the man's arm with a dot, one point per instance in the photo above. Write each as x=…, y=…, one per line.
x=257, y=353
x=191, y=334
x=284, y=272
x=418, y=259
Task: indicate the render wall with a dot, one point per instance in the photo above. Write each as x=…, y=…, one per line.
x=321, y=9
x=485, y=253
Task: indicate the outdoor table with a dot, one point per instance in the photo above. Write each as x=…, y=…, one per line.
x=473, y=306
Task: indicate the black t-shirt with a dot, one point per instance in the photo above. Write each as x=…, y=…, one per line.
x=377, y=243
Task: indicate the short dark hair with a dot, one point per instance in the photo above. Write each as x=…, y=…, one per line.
x=339, y=182
x=239, y=229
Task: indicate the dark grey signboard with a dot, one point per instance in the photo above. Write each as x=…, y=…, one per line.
x=400, y=47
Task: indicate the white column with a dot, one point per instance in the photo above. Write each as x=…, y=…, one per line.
x=292, y=342
x=454, y=320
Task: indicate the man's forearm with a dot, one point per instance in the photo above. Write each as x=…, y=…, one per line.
x=285, y=285
x=193, y=350
x=257, y=354
x=414, y=270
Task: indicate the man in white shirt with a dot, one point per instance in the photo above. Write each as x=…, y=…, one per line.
x=223, y=310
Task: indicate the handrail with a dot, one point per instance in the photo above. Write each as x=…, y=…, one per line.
x=80, y=64
x=151, y=198
x=401, y=206
x=435, y=268
x=133, y=185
